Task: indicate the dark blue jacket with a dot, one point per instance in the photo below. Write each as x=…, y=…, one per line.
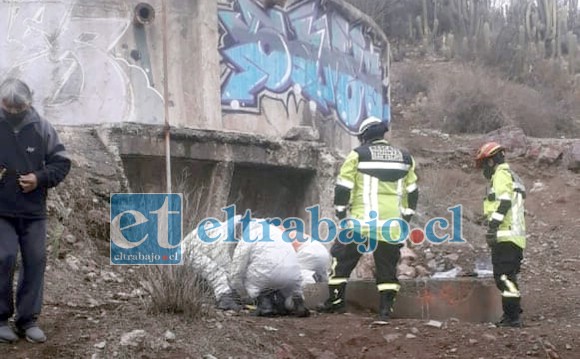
x=33, y=146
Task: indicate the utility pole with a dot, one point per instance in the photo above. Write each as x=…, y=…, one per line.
x=166, y=101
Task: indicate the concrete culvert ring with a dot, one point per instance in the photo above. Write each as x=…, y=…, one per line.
x=144, y=13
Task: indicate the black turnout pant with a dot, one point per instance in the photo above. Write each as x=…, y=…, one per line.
x=506, y=258
x=386, y=257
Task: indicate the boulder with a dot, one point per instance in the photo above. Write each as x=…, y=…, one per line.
x=533, y=151
x=406, y=270
x=546, y=153
x=550, y=154
x=422, y=271
x=408, y=254
x=511, y=137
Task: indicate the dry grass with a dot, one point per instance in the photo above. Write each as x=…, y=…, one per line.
x=176, y=290
x=192, y=189
x=179, y=289
x=409, y=81
x=471, y=99
x=465, y=101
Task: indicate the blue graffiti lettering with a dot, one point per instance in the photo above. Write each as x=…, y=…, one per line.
x=316, y=54
x=265, y=64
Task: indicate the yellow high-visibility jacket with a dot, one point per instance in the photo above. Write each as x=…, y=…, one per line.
x=377, y=177
x=507, y=186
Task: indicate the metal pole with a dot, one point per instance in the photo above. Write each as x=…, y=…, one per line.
x=166, y=101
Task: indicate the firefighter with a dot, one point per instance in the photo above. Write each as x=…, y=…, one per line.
x=504, y=209
x=375, y=179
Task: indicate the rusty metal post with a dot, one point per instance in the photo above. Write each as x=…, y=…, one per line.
x=166, y=101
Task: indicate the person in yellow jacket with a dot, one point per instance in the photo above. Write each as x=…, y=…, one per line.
x=378, y=182
x=503, y=207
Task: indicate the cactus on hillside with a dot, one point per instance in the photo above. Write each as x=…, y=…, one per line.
x=425, y=20
x=435, y=31
x=486, y=36
x=541, y=49
x=419, y=25
x=572, y=50
x=452, y=44
x=562, y=29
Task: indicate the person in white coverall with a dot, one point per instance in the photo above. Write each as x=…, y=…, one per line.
x=211, y=261
x=313, y=257
x=268, y=271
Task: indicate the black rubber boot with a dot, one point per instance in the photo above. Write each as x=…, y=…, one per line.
x=511, y=313
x=265, y=306
x=336, y=302
x=300, y=309
x=279, y=303
x=386, y=304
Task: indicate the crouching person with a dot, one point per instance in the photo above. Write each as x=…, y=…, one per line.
x=211, y=261
x=266, y=268
x=313, y=257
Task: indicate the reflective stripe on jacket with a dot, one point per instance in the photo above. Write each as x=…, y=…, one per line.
x=379, y=177
x=506, y=185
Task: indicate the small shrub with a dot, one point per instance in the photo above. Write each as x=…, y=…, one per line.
x=177, y=290
x=530, y=110
x=409, y=81
x=465, y=101
x=475, y=100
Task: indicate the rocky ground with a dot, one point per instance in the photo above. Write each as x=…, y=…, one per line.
x=94, y=310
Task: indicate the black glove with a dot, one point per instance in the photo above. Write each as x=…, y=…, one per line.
x=493, y=224
x=491, y=237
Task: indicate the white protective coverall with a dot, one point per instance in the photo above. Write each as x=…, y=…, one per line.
x=211, y=260
x=263, y=266
x=313, y=257
x=315, y=261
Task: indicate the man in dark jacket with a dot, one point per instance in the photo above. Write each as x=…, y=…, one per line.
x=32, y=159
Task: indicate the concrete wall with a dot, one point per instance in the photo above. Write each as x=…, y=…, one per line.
x=88, y=62
x=218, y=169
x=307, y=63
x=68, y=52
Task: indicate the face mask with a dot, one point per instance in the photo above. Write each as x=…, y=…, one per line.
x=487, y=170
x=14, y=117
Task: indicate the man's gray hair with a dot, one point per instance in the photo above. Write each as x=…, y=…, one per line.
x=15, y=93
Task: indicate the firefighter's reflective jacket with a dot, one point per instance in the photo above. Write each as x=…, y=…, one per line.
x=504, y=205
x=377, y=177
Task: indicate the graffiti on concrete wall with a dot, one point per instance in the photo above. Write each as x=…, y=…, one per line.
x=307, y=50
x=66, y=56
